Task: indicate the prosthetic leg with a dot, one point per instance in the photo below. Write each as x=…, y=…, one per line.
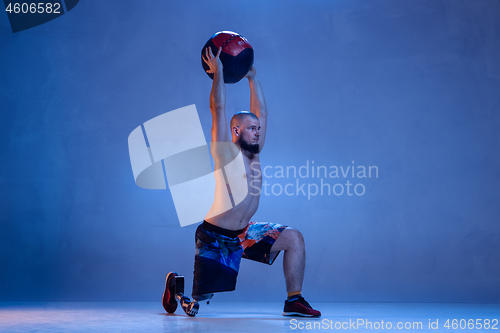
x=174, y=292
x=190, y=308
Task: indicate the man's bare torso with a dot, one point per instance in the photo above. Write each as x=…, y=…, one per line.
x=232, y=181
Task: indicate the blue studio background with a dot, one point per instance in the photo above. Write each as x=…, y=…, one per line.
x=411, y=87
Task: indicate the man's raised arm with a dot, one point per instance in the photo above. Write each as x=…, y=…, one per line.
x=258, y=104
x=217, y=97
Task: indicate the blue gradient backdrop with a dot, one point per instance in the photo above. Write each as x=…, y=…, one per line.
x=409, y=86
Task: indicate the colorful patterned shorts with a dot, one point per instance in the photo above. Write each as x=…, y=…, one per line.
x=219, y=252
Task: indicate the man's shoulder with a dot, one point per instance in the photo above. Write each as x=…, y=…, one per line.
x=224, y=152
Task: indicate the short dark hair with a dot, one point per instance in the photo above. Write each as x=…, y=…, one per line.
x=239, y=116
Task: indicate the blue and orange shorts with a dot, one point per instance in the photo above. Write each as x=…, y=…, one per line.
x=219, y=252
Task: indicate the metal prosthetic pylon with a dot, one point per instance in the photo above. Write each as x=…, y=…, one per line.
x=190, y=307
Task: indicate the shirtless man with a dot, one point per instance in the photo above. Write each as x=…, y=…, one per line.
x=227, y=234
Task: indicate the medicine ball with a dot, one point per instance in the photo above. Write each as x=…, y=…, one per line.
x=236, y=55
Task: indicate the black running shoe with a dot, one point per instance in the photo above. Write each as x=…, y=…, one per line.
x=298, y=306
x=168, y=299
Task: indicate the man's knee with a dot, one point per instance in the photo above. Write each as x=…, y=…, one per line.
x=294, y=237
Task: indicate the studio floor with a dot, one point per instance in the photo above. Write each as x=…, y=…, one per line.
x=246, y=317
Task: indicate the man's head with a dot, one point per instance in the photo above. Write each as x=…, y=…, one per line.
x=245, y=131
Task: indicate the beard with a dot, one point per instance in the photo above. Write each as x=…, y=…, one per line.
x=251, y=148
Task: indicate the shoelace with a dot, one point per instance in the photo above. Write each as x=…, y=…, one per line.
x=300, y=300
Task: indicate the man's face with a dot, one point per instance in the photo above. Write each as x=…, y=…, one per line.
x=249, y=135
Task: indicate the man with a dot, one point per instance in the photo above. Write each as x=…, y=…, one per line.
x=227, y=234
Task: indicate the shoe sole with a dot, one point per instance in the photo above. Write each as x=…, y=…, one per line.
x=170, y=305
x=298, y=314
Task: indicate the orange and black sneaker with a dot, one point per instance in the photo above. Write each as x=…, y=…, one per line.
x=298, y=306
x=168, y=299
